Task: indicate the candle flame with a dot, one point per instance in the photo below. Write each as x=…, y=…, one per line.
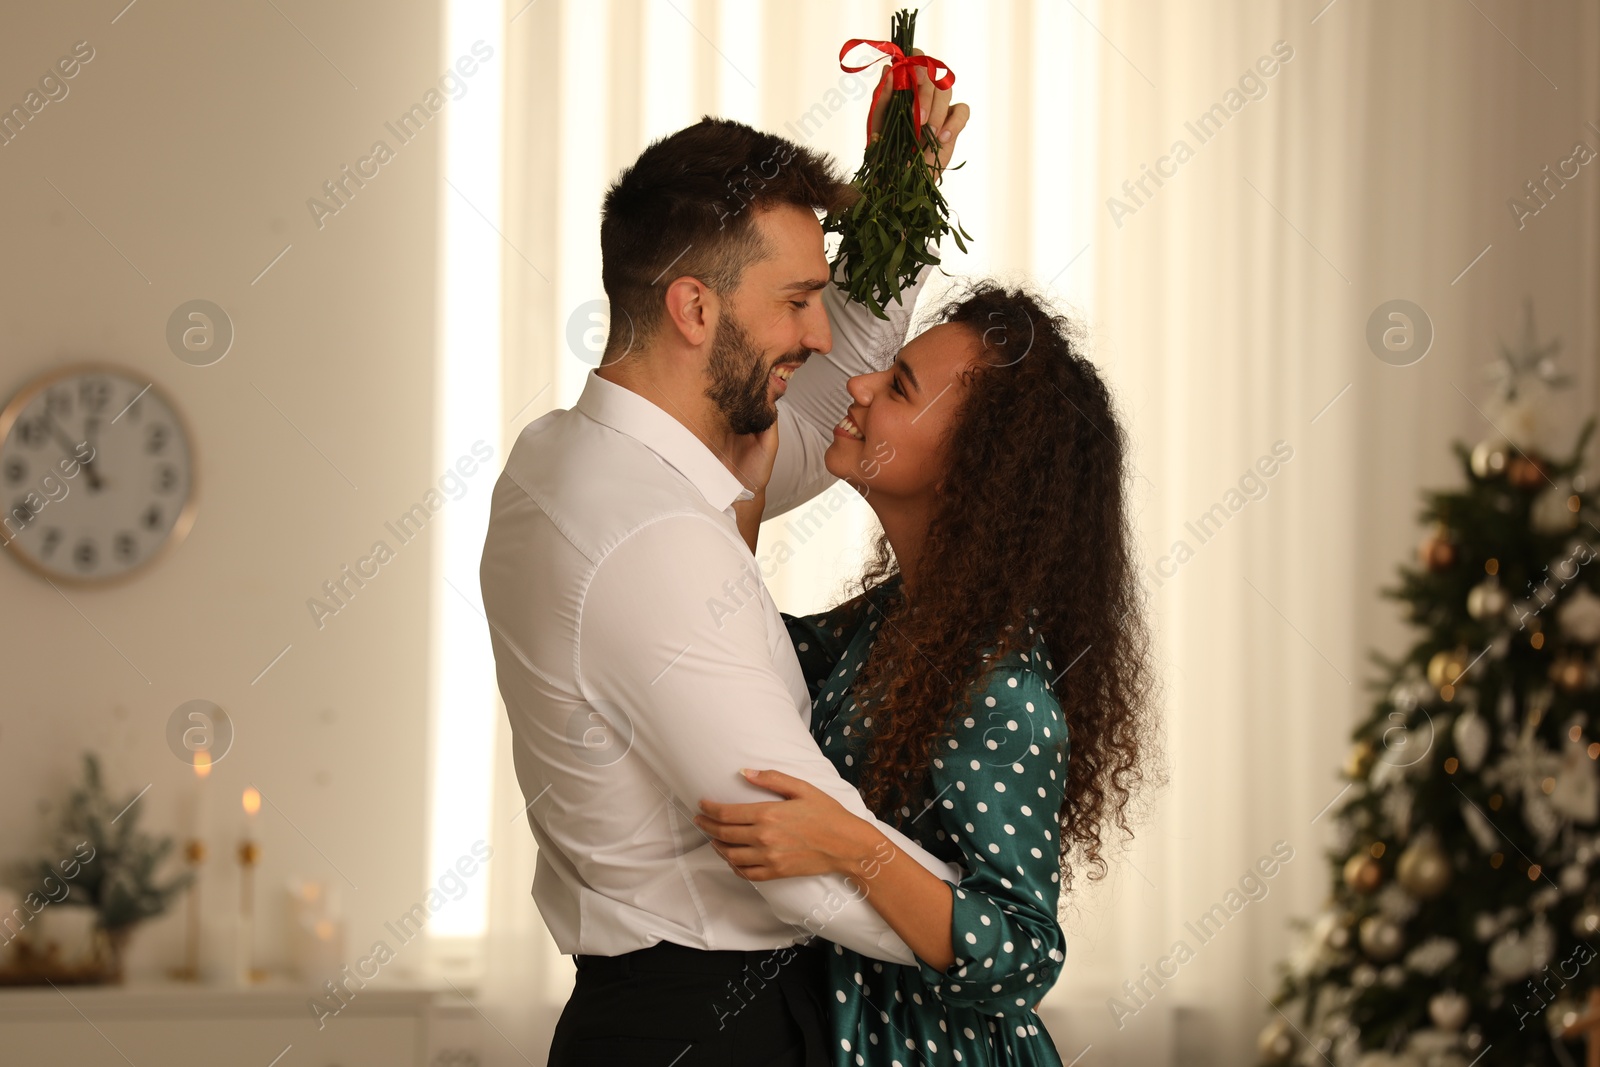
x=324, y=930
x=252, y=801
x=202, y=763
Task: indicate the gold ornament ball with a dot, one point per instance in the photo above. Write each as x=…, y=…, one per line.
x=1380, y=938
x=1359, y=759
x=1437, y=552
x=1449, y=1010
x=1555, y=510
x=1570, y=673
x=1362, y=873
x=1423, y=869
x=1525, y=471
x=1489, y=458
x=1486, y=600
x=1564, y=1010
x=1446, y=666
x=1276, y=1042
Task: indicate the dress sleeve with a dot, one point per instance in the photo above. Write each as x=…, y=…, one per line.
x=998, y=785
x=820, y=640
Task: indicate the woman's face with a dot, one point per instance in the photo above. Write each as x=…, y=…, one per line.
x=891, y=440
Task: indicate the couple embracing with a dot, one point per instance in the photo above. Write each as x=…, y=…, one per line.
x=840, y=838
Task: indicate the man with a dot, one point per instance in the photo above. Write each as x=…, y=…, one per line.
x=612, y=556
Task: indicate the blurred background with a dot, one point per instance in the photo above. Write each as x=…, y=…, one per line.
x=352, y=249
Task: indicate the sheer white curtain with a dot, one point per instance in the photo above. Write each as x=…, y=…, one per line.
x=1227, y=305
x=1372, y=164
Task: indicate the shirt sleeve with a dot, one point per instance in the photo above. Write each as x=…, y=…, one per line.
x=687, y=670
x=815, y=398
x=998, y=784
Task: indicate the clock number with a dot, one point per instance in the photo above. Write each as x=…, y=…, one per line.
x=58, y=402
x=16, y=470
x=94, y=394
x=84, y=555
x=52, y=539
x=156, y=439
x=33, y=432
x=127, y=547
x=20, y=515
x=152, y=517
x=167, y=480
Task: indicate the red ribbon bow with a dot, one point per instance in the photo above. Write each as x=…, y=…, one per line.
x=900, y=72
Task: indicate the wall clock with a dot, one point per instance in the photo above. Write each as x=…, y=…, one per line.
x=97, y=474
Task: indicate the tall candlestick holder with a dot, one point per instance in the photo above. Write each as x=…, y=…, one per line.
x=245, y=970
x=195, y=853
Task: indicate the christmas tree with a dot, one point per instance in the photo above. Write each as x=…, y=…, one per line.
x=1461, y=917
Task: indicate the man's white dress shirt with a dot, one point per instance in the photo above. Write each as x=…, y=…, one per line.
x=611, y=536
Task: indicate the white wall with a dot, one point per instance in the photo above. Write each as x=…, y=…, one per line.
x=192, y=141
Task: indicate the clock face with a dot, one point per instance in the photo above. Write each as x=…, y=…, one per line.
x=96, y=474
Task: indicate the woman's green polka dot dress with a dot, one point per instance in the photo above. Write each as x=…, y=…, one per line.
x=996, y=786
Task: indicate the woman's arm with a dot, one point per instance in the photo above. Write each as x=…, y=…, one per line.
x=813, y=834
x=997, y=786
x=751, y=462
x=915, y=903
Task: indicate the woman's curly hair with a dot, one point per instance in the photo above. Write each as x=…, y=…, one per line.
x=1032, y=529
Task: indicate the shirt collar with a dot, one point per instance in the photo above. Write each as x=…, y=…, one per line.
x=629, y=413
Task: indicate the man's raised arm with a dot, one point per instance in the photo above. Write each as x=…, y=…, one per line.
x=816, y=399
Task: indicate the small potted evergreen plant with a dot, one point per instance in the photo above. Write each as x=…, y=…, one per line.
x=118, y=880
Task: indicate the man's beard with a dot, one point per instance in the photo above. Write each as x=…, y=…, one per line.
x=739, y=378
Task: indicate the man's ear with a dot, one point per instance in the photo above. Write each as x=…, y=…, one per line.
x=691, y=307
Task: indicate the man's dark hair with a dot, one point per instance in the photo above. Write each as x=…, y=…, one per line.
x=687, y=206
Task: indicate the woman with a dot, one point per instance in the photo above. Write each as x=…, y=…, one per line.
x=998, y=618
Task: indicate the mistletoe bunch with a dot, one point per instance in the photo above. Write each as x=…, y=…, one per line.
x=893, y=230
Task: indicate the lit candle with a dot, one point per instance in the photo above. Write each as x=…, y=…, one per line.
x=252, y=804
x=202, y=771
x=249, y=852
x=324, y=950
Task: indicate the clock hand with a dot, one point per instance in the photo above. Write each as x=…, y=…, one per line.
x=88, y=424
x=88, y=465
